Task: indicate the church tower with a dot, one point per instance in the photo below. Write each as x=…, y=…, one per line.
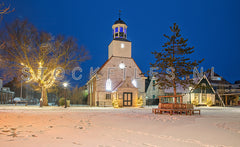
x=120, y=46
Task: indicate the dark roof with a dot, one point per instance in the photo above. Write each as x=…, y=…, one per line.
x=147, y=83
x=121, y=39
x=208, y=87
x=119, y=21
x=236, y=82
x=212, y=81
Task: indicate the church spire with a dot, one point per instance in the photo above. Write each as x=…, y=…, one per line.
x=119, y=14
x=119, y=28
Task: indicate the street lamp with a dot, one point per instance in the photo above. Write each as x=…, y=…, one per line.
x=65, y=84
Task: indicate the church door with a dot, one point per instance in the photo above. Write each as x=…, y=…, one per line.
x=127, y=99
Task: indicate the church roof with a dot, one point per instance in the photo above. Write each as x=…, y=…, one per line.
x=119, y=21
x=118, y=57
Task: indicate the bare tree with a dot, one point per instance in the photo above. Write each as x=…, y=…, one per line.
x=38, y=57
x=3, y=11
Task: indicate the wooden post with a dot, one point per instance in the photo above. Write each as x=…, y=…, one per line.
x=226, y=100
x=11, y=98
x=160, y=99
x=1, y=96
x=175, y=99
x=181, y=100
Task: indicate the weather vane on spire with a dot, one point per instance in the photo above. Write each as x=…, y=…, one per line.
x=119, y=14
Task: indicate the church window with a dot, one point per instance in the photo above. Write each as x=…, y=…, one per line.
x=116, y=29
x=109, y=85
x=134, y=82
x=125, y=31
x=108, y=96
x=122, y=45
x=121, y=29
x=121, y=34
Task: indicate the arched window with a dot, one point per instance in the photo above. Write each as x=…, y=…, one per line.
x=121, y=29
x=116, y=29
x=108, y=85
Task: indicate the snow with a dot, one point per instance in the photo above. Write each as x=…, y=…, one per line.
x=109, y=127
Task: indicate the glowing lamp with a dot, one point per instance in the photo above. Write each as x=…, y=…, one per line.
x=65, y=84
x=121, y=65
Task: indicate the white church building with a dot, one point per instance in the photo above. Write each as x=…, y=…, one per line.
x=119, y=78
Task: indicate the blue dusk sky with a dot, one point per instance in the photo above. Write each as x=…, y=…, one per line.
x=212, y=27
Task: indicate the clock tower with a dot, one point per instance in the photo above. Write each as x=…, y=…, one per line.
x=120, y=46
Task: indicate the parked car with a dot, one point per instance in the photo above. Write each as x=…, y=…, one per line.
x=19, y=100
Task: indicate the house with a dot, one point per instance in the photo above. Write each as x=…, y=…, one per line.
x=215, y=88
x=153, y=91
x=210, y=87
x=202, y=92
x=6, y=96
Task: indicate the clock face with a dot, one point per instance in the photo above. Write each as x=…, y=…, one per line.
x=121, y=65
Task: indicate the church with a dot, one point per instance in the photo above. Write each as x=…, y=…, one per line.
x=119, y=78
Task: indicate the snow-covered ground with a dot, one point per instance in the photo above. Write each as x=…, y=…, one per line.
x=108, y=127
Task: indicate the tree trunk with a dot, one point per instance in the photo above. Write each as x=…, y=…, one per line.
x=175, y=91
x=44, y=96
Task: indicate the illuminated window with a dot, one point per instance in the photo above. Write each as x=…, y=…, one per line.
x=122, y=45
x=125, y=31
x=116, y=29
x=121, y=29
x=134, y=82
x=109, y=85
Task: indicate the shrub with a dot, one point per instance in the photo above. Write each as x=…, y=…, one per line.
x=140, y=102
x=115, y=102
x=61, y=101
x=195, y=102
x=209, y=102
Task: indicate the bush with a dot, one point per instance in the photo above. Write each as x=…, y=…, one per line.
x=140, y=102
x=195, y=102
x=115, y=103
x=62, y=102
x=209, y=102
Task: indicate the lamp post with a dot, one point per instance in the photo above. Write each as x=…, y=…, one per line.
x=65, y=84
